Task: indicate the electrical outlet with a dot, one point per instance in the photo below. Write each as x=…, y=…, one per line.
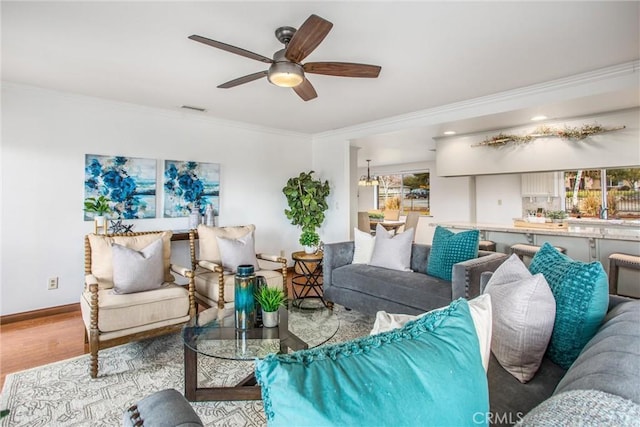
x=53, y=283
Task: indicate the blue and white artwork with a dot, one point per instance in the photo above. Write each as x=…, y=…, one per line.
x=189, y=185
x=129, y=182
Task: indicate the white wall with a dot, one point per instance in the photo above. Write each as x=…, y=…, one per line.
x=498, y=198
x=461, y=155
x=45, y=135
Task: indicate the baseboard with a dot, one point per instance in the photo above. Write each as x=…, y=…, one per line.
x=43, y=312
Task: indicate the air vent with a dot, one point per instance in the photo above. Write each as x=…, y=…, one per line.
x=191, y=107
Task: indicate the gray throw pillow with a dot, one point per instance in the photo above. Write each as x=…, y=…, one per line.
x=524, y=311
x=235, y=252
x=137, y=271
x=392, y=251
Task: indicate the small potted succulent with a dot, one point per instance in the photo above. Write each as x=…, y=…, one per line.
x=99, y=206
x=270, y=300
x=310, y=241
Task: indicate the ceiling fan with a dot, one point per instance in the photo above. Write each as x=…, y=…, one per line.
x=286, y=69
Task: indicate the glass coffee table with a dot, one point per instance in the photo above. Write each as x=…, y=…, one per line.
x=208, y=336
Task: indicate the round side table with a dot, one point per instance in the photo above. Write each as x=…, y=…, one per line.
x=307, y=278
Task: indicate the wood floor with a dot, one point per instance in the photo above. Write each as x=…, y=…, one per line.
x=34, y=342
x=29, y=343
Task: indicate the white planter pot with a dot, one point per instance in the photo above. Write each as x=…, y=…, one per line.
x=99, y=219
x=310, y=249
x=269, y=319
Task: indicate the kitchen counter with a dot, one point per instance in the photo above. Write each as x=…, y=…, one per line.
x=589, y=228
x=586, y=240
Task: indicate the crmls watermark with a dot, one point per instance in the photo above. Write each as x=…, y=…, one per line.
x=509, y=418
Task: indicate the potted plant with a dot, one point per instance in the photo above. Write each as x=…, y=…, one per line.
x=307, y=200
x=99, y=206
x=270, y=300
x=310, y=240
x=556, y=216
x=376, y=216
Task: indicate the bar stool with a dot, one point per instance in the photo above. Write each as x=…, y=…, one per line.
x=523, y=250
x=617, y=260
x=487, y=245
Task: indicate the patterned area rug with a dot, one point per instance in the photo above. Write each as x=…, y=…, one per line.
x=63, y=394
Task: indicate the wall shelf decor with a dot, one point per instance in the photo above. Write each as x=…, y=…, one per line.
x=575, y=133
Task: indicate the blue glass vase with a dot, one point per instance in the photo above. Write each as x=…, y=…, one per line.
x=245, y=303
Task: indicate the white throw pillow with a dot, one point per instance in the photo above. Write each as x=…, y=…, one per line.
x=137, y=271
x=523, y=317
x=392, y=251
x=363, y=246
x=235, y=252
x=481, y=313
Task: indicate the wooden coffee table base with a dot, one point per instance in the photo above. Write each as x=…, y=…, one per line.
x=244, y=390
x=247, y=389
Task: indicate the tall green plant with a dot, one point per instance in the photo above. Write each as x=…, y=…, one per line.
x=307, y=200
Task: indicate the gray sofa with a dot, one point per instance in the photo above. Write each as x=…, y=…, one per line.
x=609, y=363
x=368, y=289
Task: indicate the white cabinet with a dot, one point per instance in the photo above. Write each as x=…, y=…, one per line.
x=540, y=184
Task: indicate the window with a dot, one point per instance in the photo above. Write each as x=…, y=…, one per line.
x=404, y=191
x=585, y=194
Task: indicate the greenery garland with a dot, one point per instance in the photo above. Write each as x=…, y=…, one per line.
x=567, y=132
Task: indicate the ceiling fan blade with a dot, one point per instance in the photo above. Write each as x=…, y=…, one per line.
x=305, y=90
x=342, y=69
x=232, y=49
x=243, y=80
x=307, y=38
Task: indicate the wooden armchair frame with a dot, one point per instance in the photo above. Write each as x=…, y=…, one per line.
x=92, y=342
x=216, y=268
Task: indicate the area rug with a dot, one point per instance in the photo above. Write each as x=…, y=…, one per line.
x=63, y=394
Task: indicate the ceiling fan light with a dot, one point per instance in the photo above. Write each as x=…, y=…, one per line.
x=285, y=74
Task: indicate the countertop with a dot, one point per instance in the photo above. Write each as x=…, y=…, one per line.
x=586, y=228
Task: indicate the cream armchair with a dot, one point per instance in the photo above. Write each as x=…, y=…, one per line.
x=119, y=303
x=214, y=284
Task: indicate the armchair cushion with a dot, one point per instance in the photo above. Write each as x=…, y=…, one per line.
x=235, y=252
x=137, y=271
x=120, y=312
x=102, y=254
x=208, y=243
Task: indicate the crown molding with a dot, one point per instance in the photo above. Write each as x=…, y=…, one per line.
x=435, y=115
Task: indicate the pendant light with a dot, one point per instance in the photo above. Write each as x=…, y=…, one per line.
x=368, y=180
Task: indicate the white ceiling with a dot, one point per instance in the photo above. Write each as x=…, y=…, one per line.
x=432, y=54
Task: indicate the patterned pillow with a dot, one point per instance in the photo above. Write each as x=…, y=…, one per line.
x=523, y=318
x=581, y=292
x=450, y=248
x=427, y=372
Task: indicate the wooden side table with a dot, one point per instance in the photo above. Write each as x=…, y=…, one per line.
x=307, y=277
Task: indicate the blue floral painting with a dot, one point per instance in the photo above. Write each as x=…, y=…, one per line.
x=190, y=185
x=129, y=183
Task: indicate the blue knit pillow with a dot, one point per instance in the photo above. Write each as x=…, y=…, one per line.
x=581, y=292
x=450, y=248
x=428, y=372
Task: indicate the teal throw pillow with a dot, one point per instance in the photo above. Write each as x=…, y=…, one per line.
x=429, y=372
x=450, y=248
x=581, y=291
